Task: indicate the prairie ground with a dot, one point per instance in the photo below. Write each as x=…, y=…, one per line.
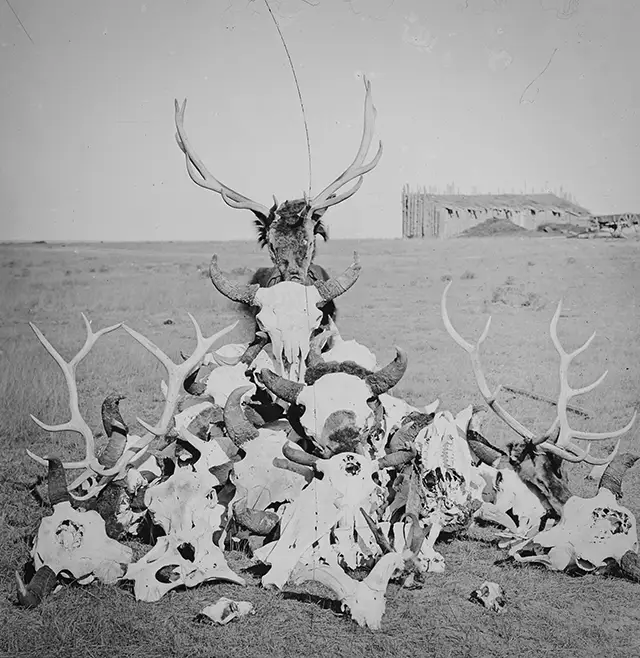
x=151, y=287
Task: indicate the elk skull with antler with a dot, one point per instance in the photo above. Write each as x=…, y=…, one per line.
x=123, y=450
x=591, y=531
x=538, y=459
x=288, y=229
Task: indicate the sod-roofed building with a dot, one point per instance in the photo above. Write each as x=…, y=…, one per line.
x=446, y=215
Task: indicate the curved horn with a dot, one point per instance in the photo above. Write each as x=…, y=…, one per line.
x=386, y=378
x=285, y=389
x=315, y=347
x=115, y=428
x=406, y=434
x=299, y=456
x=236, y=292
x=486, y=454
x=41, y=585
x=57, y=482
x=612, y=477
x=332, y=288
x=396, y=459
x=239, y=429
x=254, y=349
x=378, y=535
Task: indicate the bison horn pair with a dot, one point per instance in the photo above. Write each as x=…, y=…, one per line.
x=245, y=293
x=305, y=459
x=379, y=382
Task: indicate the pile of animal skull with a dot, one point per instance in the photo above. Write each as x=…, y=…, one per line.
x=292, y=448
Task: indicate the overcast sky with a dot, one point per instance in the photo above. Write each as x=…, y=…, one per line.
x=488, y=94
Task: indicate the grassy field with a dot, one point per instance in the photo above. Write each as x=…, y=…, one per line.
x=518, y=280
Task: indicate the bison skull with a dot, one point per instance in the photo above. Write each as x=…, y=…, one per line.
x=338, y=407
x=289, y=311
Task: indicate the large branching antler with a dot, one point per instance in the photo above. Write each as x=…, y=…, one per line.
x=566, y=433
x=201, y=176
x=563, y=445
x=357, y=169
x=76, y=423
x=136, y=446
x=177, y=373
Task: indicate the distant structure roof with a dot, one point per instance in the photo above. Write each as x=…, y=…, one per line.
x=536, y=202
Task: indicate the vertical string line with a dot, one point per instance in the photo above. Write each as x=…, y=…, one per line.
x=295, y=79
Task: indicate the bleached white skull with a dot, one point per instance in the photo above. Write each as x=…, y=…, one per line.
x=74, y=540
x=262, y=476
x=451, y=486
x=490, y=595
x=365, y=599
x=225, y=610
x=289, y=311
x=590, y=531
x=331, y=504
x=225, y=379
x=289, y=314
x=510, y=494
x=184, y=501
x=185, y=558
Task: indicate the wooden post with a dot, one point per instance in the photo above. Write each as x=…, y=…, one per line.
x=403, y=196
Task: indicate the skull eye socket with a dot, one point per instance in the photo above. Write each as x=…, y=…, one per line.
x=168, y=574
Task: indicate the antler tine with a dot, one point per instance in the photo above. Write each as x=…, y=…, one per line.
x=567, y=434
x=341, y=197
x=474, y=353
x=176, y=373
x=201, y=176
x=150, y=347
x=356, y=169
x=76, y=423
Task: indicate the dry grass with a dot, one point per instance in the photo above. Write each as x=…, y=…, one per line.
x=396, y=301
